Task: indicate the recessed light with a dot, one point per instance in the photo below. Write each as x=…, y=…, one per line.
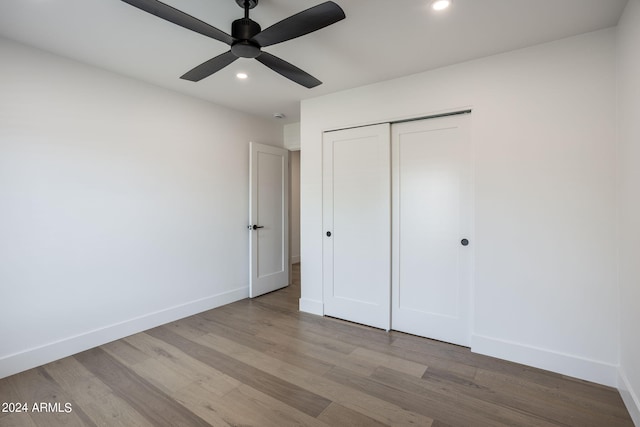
x=242, y=76
x=440, y=4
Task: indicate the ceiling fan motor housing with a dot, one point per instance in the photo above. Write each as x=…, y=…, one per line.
x=243, y=30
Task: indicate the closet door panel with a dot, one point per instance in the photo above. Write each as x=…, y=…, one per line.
x=432, y=214
x=357, y=224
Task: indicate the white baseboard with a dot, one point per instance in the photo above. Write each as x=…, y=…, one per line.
x=21, y=361
x=565, y=364
x=629, y=396
x=311, y=306
x=295, y=259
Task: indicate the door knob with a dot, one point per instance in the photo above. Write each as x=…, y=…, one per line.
x=328, y=234
x=464, y=242
x=255, y=227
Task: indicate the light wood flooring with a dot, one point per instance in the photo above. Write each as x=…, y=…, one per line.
x=262, y=363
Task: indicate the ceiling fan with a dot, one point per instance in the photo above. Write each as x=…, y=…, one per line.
x=247, y=38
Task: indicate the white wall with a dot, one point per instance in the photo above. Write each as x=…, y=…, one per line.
x=544, y=139
x=292, y=136
x=122, y=205
x=629, y=212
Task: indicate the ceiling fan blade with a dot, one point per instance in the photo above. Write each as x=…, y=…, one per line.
x=289, y=71
x=302, y=23
x=178, y=17
x=211, y=66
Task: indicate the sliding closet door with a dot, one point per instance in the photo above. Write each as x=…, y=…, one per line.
x=357, y=225
x=432, y=218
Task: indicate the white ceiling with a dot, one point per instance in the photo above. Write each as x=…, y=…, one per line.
x=379, y=40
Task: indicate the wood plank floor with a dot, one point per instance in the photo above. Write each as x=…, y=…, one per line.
x=262, y=363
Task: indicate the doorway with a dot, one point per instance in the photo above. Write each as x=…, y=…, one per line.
x=294, y=206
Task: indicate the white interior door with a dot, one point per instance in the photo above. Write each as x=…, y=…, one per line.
x=357, y=224
x=432, y=226
x=268, y=219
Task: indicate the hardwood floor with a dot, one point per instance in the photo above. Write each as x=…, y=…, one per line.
x=262, y=363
